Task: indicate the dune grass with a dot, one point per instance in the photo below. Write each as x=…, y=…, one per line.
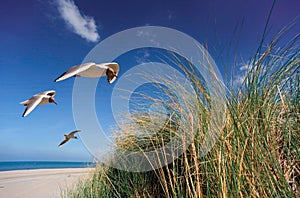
x=257, y=153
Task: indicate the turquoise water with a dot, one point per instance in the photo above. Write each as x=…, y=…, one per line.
x=26, y=165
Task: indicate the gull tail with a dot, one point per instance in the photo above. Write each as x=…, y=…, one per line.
x=24, y=102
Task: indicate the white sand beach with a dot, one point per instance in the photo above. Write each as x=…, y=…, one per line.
x=39, y=183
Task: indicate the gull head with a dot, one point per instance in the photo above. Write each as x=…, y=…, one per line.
x=52, y=100
x=111, y=75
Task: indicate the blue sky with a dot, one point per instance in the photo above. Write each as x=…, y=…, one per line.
x=41, y=39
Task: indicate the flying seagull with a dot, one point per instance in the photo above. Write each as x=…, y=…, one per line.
x=45, y=97
x=92, y=70
x=69, y=136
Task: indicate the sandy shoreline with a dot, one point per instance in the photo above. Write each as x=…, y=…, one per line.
x=39, y=182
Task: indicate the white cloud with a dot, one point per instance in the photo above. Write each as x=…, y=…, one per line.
x=170, y=14
x=82, y=25
x=147, y=35
x=245, y=69
x=143, y=56
x=240, y=77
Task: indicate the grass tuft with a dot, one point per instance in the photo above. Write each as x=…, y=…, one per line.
x=257, y=153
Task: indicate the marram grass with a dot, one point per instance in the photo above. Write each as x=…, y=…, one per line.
x=256, y=155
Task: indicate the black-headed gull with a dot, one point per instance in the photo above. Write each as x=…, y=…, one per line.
x=92, y=70
x=69, y=136
x=45, y=97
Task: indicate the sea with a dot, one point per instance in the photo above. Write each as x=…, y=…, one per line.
x=27, y=165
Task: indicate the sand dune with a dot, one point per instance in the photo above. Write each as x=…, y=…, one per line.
x=39, y=183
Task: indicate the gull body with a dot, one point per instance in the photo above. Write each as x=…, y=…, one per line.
x=45, y=97
x=92, y=70
x=69, y=136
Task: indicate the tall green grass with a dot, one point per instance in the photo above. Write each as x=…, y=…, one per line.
x=257, y=153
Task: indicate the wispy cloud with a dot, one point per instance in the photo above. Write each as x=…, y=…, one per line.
x=82, y=25
x=142, y=56
x=170, y=14
x=245, y=69
x=240, y=77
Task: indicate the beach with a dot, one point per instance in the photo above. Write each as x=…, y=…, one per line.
x=39, y=182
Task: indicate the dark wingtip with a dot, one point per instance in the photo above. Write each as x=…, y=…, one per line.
x=23, y=115
x=56, y=79
x=59, y=77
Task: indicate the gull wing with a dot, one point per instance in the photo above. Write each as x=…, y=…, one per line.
x=73, y=132
x=51, y=93
x=74, y=71
x=47, y=93
x=63, y=142
x=32, y=103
